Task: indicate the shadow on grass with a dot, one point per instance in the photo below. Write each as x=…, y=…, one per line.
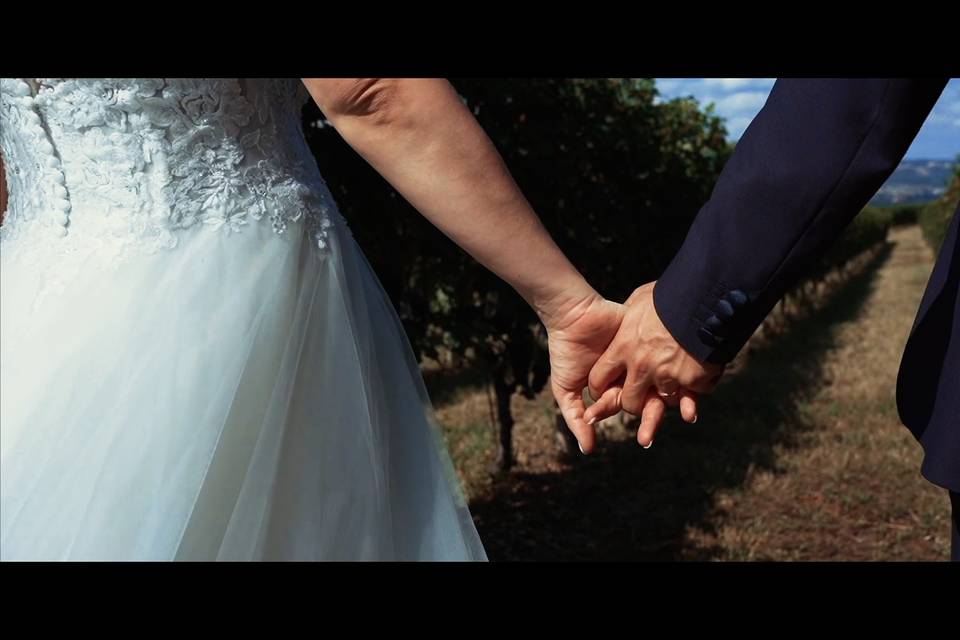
x=626, y=503
x=446, y=385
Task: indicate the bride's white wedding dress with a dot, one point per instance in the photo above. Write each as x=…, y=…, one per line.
x=196, y=360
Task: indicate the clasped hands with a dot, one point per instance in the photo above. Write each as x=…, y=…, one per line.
x=628, y=360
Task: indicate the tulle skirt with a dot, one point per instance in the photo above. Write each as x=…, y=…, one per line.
x=243, y=396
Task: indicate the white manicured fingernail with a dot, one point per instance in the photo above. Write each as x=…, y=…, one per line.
x=647, y=446
x=581, y=449
x=592, y=420
x=695, y=418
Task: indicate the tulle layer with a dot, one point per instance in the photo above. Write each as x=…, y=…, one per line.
x=242, y=397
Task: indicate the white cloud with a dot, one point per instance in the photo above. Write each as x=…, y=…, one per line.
x=737, y=100
x=672, y=87
x=729, y=84
x=741, y=103
x=736, y=126
x=945, y=114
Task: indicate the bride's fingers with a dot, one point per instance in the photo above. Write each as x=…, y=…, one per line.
x=650, y=419
x=606, y=406
x=688, y=405
x=604, y=373
x=572, y=409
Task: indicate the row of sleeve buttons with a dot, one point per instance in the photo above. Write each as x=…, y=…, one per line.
x=715, y=327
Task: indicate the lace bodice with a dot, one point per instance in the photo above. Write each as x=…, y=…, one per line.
x=131, y=165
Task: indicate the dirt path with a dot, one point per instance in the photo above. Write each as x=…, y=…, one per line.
x=851, y=490
x=798, y=456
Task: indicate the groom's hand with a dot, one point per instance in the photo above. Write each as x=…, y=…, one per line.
x=644, y=369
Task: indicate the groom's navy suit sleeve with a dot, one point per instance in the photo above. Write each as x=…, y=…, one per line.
x=806, y=165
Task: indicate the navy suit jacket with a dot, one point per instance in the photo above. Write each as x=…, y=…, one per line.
x=807, y=164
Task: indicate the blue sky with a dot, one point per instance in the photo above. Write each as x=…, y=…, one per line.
x=739, y=99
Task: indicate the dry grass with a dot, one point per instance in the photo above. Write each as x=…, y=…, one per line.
x=852, y=491
x=798, y=456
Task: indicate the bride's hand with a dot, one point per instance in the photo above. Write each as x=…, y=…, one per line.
x=577, y=336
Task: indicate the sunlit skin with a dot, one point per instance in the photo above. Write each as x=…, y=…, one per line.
x=423, y=140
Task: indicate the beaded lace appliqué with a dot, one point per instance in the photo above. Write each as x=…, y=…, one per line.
x=131, y=163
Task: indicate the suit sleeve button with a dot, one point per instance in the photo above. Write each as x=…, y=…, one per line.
x=724, y=310
x=714, y=324
x=737, y=298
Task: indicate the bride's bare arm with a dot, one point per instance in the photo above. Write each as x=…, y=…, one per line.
x=419, y=135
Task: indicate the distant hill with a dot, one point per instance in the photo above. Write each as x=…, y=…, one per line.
x=915, y=181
